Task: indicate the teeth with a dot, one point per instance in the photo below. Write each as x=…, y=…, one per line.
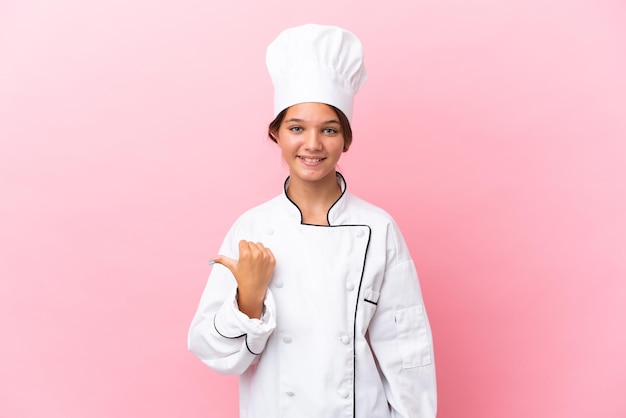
x=312, y=160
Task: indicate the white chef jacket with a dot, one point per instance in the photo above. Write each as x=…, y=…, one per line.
x=344, y=332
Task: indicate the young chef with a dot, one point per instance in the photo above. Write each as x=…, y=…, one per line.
x=314, y=299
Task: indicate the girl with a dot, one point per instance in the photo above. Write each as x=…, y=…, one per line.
x=314, y=299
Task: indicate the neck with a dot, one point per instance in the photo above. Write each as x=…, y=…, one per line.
x=314, y=199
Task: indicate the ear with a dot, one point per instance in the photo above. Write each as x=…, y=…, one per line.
x=346, y=147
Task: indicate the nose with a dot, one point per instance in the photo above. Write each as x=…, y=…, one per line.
x=313, y=141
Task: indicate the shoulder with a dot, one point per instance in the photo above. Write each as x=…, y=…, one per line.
x=248, y=225
x=262, y=211
x=385, y=233
x=368, y=212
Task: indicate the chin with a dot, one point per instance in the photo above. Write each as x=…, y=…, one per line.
x=312, y=177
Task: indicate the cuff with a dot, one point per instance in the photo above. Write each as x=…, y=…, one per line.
x=230, y=322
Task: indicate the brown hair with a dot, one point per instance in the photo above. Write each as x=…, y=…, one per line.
x=272, y=129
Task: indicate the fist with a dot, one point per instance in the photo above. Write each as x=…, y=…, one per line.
x=253, y=272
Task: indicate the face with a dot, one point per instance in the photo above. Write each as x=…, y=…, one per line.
x=311, y=141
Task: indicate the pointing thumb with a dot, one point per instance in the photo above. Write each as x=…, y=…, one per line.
x=227, y=262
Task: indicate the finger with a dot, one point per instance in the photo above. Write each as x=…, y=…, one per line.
x=244, y=247
x=260, y=252
x=257, y=250
x=270, y=255
x=227, y=262
x=263, y=251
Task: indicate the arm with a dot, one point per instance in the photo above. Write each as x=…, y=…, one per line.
x=221, y=334
x=401, y=340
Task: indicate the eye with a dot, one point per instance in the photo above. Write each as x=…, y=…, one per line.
x=330, y=131
x=296, y=129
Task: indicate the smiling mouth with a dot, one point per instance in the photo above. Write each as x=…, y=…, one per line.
x=311, y=160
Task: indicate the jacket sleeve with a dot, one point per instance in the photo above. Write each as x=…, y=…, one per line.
x=223, y=337
x=401, y=340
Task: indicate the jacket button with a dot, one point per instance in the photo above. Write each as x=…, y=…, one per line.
x=343, y=393
x=286, y=340
x=345, y=339
x=360, y=233
x=289, y=393
x=350, y=286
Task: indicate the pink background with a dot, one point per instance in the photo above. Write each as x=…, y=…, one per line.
x=133, y=134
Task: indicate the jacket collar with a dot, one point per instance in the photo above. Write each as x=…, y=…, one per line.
x=334, y=212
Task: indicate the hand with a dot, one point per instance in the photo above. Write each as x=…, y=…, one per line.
x=253, y=272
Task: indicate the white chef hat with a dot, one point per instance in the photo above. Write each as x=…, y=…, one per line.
x=316, y=63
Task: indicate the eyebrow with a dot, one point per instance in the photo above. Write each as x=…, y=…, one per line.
x=301, y=120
